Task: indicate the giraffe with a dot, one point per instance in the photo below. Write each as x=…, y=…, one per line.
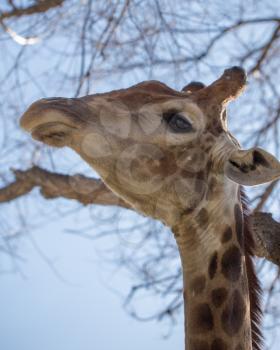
x=170, y=155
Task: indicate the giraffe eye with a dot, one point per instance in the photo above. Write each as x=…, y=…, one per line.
x=178, y=123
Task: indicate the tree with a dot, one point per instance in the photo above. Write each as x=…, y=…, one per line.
x=68, y=47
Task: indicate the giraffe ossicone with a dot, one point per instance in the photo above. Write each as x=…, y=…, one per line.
x=171, y=156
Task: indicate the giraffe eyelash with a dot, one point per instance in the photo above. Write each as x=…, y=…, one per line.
x=177, y=122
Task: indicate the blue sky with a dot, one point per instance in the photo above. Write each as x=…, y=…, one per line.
x=40, y=311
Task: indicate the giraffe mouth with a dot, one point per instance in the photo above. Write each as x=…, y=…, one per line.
x=252, y=167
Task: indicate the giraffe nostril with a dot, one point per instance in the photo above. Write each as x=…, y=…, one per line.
x=258, y=158
x=243, y=167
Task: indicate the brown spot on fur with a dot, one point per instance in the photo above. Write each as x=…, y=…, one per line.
x=198, y=284
x=191, y=230
x=219, y=296
x=188, y=210
x=239, y=347
x=216, y=131
x=233, y=314
x=239, y=224
x=194, y=157
x=215, y=128
x=231, y=263
x=227, y=235
x=212, y=189
x=202, y=319
x=212, y=184
x=218, y=344
x=209, y=166
x=209, y=139
x=202, y=217
x=200, y=175
x=207, y=148
x=212, y=268
x=198, y=345
x=200, y=182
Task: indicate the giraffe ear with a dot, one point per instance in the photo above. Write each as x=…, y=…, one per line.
x=252, y=167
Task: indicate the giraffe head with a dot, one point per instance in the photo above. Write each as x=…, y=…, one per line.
x=159, y=149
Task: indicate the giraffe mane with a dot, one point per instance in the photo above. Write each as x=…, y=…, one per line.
x=255, y=291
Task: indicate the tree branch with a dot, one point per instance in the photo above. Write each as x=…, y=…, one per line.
x=37, y=7
x=78, y=187
x=265, y=50
x=267, y=236
x=87, y=190
x=265, y=195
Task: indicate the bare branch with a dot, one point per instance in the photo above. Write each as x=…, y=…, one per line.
x=265, y=50
x=37, y=7
x=264, y=197
x=267, y=236
x=83, y=189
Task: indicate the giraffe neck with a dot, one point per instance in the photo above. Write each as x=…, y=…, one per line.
x=216, y=293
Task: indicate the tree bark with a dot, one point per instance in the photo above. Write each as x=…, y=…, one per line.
x=266, y=230
x=38, y=7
